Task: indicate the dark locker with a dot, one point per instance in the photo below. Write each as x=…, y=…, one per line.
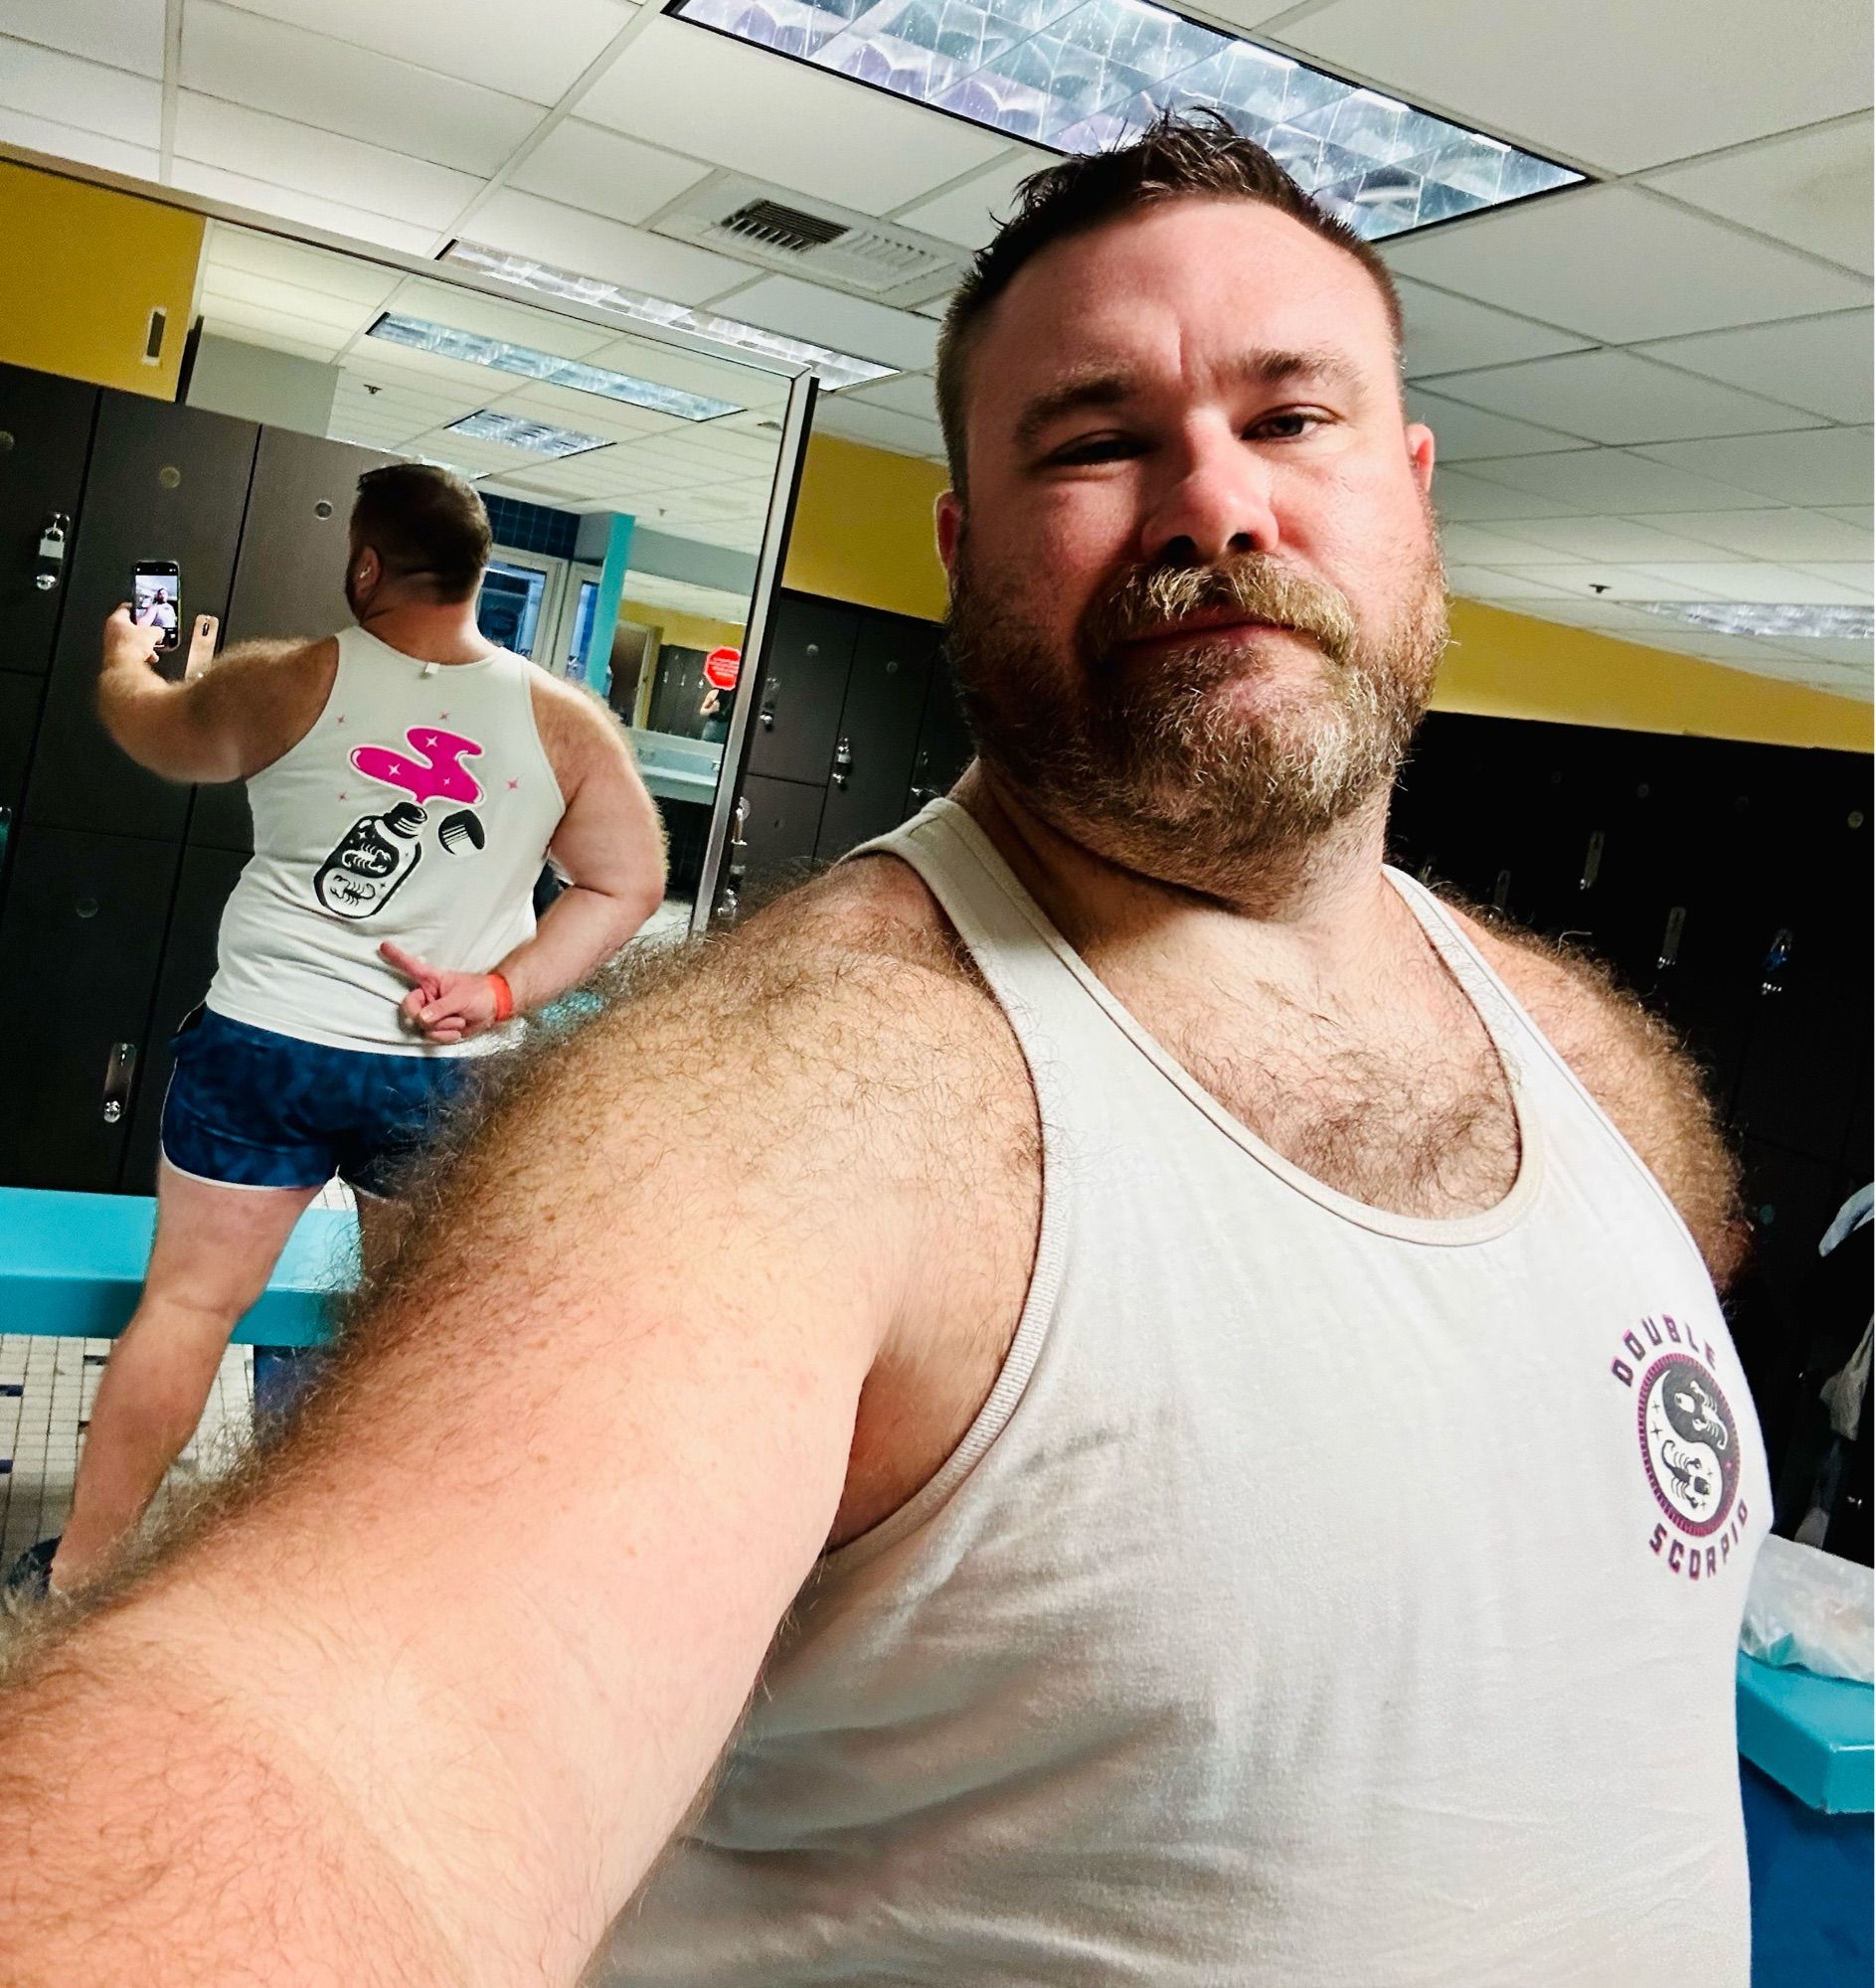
x=19, y=713
x=45, y=436
x=80, y=937
x=187, y=965
x=289, y=578
x=877, y=740
x=804, y=687
x=780, y=832
x=167, y=482
x=944, y=740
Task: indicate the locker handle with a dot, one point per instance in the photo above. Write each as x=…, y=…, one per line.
x=118, y=1069
x=843, y=762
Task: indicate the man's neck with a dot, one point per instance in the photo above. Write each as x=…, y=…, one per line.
x=429, y=632
x=1323, y=916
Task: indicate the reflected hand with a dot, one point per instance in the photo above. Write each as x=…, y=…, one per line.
x=129, y=643
x=443, y=1005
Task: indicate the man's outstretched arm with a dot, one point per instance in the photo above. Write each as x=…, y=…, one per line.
x=424, y=1705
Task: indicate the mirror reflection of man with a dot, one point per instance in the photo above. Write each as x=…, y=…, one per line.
x=408, y=781
x=1160, y=1344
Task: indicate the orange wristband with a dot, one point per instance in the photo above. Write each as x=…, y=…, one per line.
x=504, y=997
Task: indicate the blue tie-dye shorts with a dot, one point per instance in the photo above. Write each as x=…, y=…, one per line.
x=247, y=1107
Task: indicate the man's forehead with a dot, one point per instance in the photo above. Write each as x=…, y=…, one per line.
x=1233, y=276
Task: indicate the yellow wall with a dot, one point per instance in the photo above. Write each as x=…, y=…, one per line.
x=863, y=529
x=84, y=266
x=682, y=631
x=863, y=533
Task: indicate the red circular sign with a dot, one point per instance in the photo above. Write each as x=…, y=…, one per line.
x=721, y=668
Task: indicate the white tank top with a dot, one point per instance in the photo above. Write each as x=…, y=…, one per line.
x=1323, y=1598
x=418, y=808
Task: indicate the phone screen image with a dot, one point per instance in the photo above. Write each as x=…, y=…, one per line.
x=156, y=602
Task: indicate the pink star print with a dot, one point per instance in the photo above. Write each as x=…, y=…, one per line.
x=512, y=784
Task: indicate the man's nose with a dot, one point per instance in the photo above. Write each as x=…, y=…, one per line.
x=1219, y=503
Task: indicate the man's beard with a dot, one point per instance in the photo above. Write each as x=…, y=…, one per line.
x=1142, y=756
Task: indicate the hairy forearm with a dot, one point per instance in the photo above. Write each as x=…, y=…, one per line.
x=154, y=1824
x=580, y=930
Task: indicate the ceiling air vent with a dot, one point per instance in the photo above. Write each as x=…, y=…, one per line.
x=811, y=239
x=778, y=227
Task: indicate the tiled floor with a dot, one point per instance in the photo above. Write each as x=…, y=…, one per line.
x=46, y=1390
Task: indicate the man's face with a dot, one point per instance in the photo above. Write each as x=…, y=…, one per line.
x=1196, y=595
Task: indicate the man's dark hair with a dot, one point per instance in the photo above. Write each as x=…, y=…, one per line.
x=425, y=523
x=1197, y=156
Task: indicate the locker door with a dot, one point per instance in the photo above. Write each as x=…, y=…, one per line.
x=780, y=833
x=80, y=937
x=289, y=577
x=166, y=482
x=187, y=965
x=877, y=740
x=803, y=689
x=19, y=713
x=944, y=740
x=45, y=436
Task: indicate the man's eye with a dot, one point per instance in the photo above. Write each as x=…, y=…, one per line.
x=1287, y=425
x=1094, y=449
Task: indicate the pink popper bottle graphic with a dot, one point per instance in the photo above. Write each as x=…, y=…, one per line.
x=377, y=853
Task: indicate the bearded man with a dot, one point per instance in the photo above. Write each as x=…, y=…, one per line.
x=1102, y=1440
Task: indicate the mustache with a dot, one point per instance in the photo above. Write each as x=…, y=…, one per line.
x=1154, y=599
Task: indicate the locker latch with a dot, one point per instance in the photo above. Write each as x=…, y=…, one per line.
x=118, y=1069
x=53, y=535
x=843, y=762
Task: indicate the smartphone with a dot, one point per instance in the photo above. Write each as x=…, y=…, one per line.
x=156, y=600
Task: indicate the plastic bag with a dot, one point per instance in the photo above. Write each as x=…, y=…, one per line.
x=1813, y=1608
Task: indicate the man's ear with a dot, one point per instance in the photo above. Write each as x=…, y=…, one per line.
x=950, y=520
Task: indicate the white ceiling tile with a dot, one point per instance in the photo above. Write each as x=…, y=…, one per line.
x=783, y=123
x=1614, y=482
x=1612, y=396
x=1790, y=536
x=1841, y=650
x=1752, y=579
x=297, y=264
x=1610, y=617
x=1621, y=582
x=1817, y=468
x=282, y=154
x=1487, y=545
x=1617, y=541
x=287, y=203
x=591, y=245
x=1857, y=576
x=1449, y=334
x=316, y=309
x=270, y=65
x=909, y=393
x=971, y=213
x=474, y=40
x=1618, y=84
x=1824, y=364
x=1467, y=434
x=127, y=34
x=67, y=141
x=1862, y=514
x=1807, y=188
x=270, y=330
x=583, y=165
x=1478, y=582
x=901, y=434
x=1462, y=498
x=850, y=324
x=1734, y=653
x=61, y=88
x=1619, y=263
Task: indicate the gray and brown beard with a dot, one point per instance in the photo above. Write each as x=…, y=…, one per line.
x=1140, y=757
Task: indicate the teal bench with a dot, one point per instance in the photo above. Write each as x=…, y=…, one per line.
x=71, y=1267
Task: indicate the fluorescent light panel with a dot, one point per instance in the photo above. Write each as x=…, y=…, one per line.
x=1750, y=617
x=476, y=350
x=1083, y=75
x=539, y=437
x=836, y=369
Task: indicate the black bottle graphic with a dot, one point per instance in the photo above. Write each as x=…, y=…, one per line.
x=377, y=853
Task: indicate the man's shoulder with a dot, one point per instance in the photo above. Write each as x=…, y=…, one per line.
x=1637, y=1069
